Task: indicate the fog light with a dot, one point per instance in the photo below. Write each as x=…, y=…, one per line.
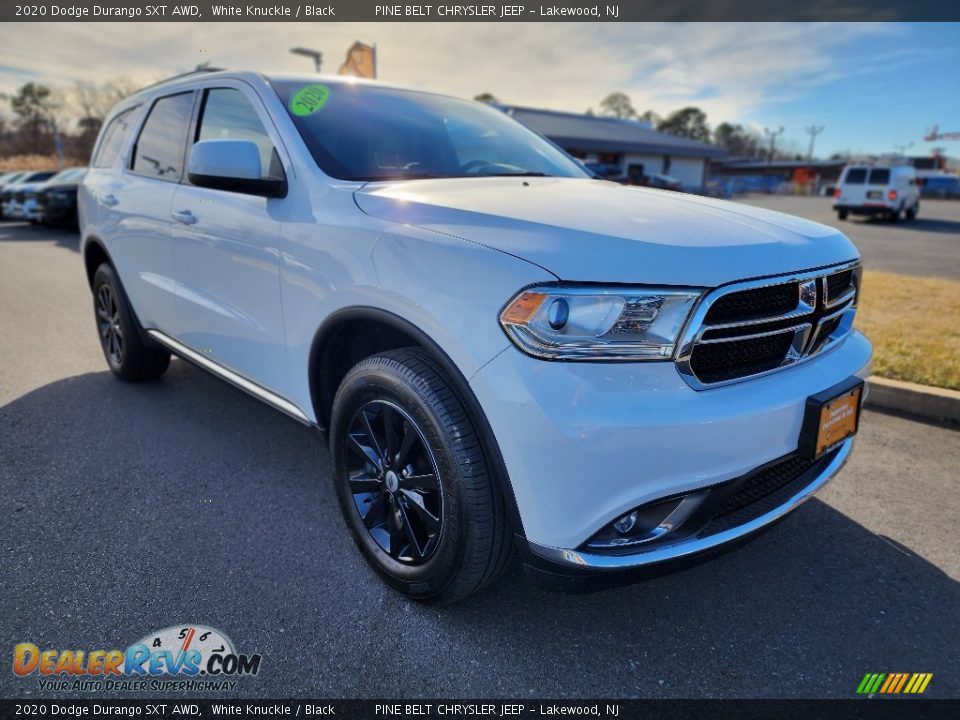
x=626, y=523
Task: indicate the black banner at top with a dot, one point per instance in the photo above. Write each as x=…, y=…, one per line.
x=434, y=11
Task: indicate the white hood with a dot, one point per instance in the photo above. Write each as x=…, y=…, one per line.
x=594, y=231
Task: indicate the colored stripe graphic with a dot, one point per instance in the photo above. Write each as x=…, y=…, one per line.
x=894, y=683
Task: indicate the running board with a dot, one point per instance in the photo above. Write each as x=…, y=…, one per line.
x=261, y=393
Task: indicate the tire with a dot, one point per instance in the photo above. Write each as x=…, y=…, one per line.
x=842, y=214
x=894, y=215
x=471, y=544
x=121, y=337
x=912, y=211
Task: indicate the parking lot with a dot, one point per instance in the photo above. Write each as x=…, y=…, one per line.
x=129, y=508
x=929, y=245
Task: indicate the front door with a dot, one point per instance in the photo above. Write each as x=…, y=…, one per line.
x=227, y=256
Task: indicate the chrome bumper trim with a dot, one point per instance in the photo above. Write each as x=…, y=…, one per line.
x=683, y=548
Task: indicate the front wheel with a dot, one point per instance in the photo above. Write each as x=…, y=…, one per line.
x=412, y=479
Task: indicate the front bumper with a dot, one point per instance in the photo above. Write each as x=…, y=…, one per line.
x=584, y=443
x=697, y=544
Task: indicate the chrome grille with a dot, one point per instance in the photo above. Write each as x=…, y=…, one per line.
x=752, y=328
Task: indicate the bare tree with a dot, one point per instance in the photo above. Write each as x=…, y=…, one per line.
x=617, y=105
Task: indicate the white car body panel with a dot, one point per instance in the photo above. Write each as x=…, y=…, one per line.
x=593, y=231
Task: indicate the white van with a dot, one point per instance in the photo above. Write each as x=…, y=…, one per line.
x=888, y=190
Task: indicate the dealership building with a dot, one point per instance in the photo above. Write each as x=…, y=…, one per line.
x=631, y=145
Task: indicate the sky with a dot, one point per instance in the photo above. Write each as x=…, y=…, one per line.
x=873, y=87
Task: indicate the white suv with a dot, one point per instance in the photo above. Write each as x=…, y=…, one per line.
x=506, y=354
x=887, y=190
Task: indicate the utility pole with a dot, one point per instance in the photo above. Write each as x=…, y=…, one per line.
x=812, y=131
x=902, y=149
x=315, y=55
x=773, y=135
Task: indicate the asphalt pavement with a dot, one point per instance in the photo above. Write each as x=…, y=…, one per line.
x=129, y=508
x=927, y=246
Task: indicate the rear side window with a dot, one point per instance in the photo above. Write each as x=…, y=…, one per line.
x=228, y=115
x=113, y=139
x=856, y=176
x=880, y=176
x=159, y=150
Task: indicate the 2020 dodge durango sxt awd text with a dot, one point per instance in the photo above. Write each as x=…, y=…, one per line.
x=506, y=353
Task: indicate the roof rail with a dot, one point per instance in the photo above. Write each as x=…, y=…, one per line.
x=196, y=71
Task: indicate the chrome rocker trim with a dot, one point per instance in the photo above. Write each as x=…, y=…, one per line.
x=684, y=548
x=259, y=392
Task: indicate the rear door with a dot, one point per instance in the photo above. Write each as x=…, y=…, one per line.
x=880, y=181
x=853, y=186
x=140, y=201
x=227, y=250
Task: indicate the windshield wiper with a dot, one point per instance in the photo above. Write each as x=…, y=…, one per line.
x=517, y=174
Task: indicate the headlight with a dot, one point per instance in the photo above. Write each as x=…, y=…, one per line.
x=597, y=323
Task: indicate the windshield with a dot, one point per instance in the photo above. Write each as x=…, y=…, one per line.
x=358, y=132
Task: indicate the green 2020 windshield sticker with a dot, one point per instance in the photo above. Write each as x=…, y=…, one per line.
x=307, y=100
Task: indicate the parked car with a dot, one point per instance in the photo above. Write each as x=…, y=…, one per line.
x=663, y=182
x=16, y=194
x=887, y=190
x=940, y=186
x=7, y=179
x=55, y=201
x=505, y=354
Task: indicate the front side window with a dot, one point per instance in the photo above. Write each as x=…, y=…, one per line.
x=357, y=132
x=159, y=150
x=228, y=115
x=113, y=139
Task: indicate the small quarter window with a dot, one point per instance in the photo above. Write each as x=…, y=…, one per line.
x=114, y=138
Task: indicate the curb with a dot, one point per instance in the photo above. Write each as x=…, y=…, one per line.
x=922, y=401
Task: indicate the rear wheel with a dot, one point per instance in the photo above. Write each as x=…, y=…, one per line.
x=894, y=215
x=412, y=480
x=912, y=211
x=842, y=214
x=128, y=356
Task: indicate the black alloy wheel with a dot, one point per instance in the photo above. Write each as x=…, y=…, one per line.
x=108, y=322
x=394, y=481
x=414, y=480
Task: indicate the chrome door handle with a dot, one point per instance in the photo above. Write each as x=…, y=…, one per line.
x=184, y=216
x=110, y=200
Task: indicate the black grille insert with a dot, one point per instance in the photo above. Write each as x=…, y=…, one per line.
x=838, y=283
x=755, y=303
x=717, y=362
x=765, y=490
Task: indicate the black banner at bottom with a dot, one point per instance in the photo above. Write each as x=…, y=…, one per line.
x=865, y=709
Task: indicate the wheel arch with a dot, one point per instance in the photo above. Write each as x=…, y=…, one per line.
x=94, y=255
x=354, y=333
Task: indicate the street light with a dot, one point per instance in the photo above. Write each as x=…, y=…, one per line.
x=307, y=52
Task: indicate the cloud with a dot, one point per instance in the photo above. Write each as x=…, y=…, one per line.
x=730, y=70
